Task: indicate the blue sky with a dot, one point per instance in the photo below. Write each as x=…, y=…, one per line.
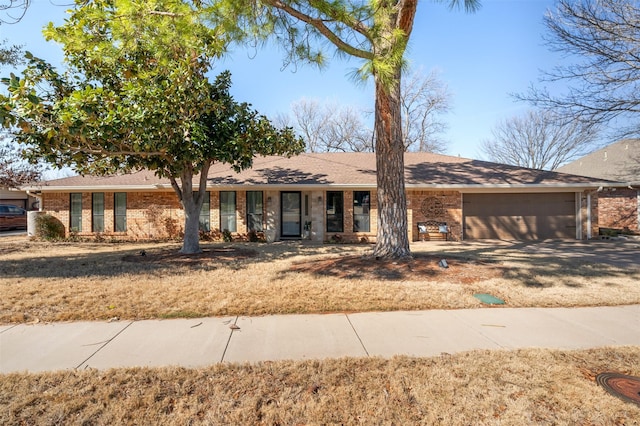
x=483, y=57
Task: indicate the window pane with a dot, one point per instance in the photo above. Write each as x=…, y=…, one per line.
x=97, y=210
x=361, y=206
x=205, y=213
x=228, y=211
x=120, y=211
x=75, y=217
x=254, y=211
x=335, y=204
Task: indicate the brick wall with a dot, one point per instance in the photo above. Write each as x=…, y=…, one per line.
x=348, y=235
x=149, y=214
x=159, y=214
x=618, y=209
x=440, y=206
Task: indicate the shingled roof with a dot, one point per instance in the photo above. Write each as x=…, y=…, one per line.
x=422, y=170
x=619, y=161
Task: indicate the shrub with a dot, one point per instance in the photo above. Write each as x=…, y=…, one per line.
x=172, y=228
x=49, y=228
x=226, y=236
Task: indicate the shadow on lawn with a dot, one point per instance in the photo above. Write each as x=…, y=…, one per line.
x=534, y=264
x=554, y=263
x=133, y=259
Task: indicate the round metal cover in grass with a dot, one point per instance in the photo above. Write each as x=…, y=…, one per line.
x=624, y=387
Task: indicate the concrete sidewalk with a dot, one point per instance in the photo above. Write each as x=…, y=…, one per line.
x=206, y=341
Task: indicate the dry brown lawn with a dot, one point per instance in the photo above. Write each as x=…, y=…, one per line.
x=42, y=281
x=532, y=386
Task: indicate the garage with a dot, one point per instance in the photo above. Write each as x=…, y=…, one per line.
x=519, y=216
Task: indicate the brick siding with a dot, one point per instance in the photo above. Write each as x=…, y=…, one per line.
x=618, y=209
x=152, y=215
x=448, y=210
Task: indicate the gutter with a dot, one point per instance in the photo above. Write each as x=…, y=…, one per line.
x=568, y=187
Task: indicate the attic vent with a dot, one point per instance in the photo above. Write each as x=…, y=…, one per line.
x=605, y=156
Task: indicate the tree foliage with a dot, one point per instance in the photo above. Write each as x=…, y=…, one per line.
x=10, y=55
x=374, y=31
x=136, y=96
x=600, y=44
x=539, y=140
x=14, y=170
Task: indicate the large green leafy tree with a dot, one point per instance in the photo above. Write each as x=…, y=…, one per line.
x=136, y=96
x=374, y=31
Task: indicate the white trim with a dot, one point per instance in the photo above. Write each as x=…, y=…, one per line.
x=578, y=210
x=588, y=215
x=478, y=188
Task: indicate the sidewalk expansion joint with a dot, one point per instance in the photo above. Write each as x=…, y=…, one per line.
x=11, y=327
x=357, y=335
x=224, y=353
x=105, y=343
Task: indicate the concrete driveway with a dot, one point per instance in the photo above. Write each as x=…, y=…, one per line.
x=12, y=233
x=621, y=252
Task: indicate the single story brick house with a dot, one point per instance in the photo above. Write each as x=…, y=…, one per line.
x=618, y=205
x=329, y=196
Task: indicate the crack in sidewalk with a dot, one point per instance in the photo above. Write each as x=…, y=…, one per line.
x=105, y=343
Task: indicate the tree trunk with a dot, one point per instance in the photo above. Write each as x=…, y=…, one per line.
x=392, y=236
x=191, y=204
x=191, y=241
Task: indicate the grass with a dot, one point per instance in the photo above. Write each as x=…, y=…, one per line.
x=72, y=281
x=533, y=386
x=44, y=282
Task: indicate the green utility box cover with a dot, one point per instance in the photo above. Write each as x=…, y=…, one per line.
x=488, y=299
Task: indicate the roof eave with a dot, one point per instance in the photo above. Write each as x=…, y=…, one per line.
x=458, y=187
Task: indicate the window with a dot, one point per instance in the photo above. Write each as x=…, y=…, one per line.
x=205, y=213
x=361, y=203
x=254, y=211
x=120, y=211
x=335, y=203
x=228, y=211
x=97, y=212
x=75, y=212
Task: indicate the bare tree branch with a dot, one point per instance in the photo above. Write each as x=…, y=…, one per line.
x=539, y=140
x=12, y=11
x=601, y=41
x=14, y=170
x=425, y=98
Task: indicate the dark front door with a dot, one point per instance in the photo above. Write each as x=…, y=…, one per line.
x=290, y=214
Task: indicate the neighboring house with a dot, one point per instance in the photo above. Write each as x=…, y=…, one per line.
x=18, y=198
x=332, y=196
x=619, y=205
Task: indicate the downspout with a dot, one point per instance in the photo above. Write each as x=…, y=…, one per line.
x=36, y=196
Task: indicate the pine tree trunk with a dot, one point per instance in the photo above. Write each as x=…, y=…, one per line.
x=392, y=236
